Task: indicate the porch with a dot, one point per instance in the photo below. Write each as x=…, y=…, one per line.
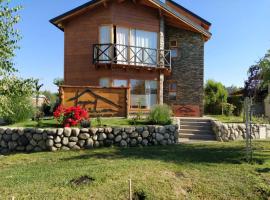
x=110, y=101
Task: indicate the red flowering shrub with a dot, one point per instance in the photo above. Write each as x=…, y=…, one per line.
x=70, y=116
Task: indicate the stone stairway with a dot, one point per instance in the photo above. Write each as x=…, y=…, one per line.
x=196, y=130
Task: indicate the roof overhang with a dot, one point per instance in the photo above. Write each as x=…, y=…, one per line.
x=57, y=21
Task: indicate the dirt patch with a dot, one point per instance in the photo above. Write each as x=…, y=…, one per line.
x=139, y=195
x=83, y=180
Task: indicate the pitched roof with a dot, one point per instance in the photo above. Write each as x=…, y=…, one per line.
x=56, y=21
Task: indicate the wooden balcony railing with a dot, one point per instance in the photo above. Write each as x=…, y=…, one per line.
x=131, y=55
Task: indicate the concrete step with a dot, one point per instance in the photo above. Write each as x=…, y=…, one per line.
x=186, y=140
x=195, y=123
x=197, y=136
x=196, y=131
x=194, y=120
x=197, y=127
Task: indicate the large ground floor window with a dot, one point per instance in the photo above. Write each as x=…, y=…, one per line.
x=143, y=93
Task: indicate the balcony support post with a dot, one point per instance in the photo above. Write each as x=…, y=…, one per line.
x=161, y=46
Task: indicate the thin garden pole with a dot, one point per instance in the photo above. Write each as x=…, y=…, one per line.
x=247, y=126
x=130, y=189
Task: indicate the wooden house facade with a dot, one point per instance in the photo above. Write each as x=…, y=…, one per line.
x=121, y=56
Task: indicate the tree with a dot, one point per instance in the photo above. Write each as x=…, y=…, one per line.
x=58, y=82
x=9, y=36
x=265, y=69
x=15, y=93
x=258, y=79
x=215, y=97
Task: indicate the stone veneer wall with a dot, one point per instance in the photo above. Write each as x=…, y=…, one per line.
x=187, y=68
x=35, y=140
x=233, y=131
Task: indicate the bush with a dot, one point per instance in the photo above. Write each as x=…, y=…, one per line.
x=215, y=95
x=16, y=109
x=160, y=114
x=228, y=109
x=238, y=102
x=71, y=116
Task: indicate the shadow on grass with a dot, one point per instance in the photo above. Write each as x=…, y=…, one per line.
x=183, y=153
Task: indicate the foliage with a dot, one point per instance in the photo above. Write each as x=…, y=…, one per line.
x=39, y=113
x=258, y=78
x=16, y=109
x=9, y=37
x=265, y=67
x=236, y=100
x=15, y=99
x=228, y=109
x=58, y=81
x=15, y=93
x=160, y=114
x=71, y=116
x=49, y=108
x=215, y=95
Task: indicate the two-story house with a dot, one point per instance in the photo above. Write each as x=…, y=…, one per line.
x=122, y=56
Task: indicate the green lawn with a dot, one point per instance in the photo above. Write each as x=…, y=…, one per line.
x=105, y=122
x=186, y=171
x=238, y=119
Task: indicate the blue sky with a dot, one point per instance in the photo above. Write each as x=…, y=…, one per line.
x=240, y=31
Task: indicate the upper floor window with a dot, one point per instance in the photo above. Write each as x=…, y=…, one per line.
x=126, y=45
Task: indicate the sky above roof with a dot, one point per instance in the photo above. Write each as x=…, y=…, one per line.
x=240, y=31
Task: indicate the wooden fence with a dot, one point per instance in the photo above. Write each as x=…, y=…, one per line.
x=100, y=101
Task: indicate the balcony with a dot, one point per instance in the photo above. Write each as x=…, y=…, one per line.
x=117, y=55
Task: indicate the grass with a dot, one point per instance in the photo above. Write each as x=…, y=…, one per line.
x=112, y=122
x=187, y=171
x=238, y=119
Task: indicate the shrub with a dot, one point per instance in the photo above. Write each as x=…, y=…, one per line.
x=71, y=116
x=228, y=109
x=215, y=95
x=16, y=109
x=160, y=114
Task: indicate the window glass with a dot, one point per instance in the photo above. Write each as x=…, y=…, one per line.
x=172, y=95
x=174, y=53
x=143, y=93
x=119, y=83
x=105, y=33
x=173, y=86
x=104, y=82
x=172, y=90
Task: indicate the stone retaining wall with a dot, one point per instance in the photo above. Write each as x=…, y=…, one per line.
x=35, y=140
x=233, y=131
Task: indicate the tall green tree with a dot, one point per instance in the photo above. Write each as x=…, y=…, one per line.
x=9, y=36
x=215, y=96
x=15, y=93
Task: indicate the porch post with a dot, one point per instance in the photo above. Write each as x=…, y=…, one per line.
x=161, y=46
